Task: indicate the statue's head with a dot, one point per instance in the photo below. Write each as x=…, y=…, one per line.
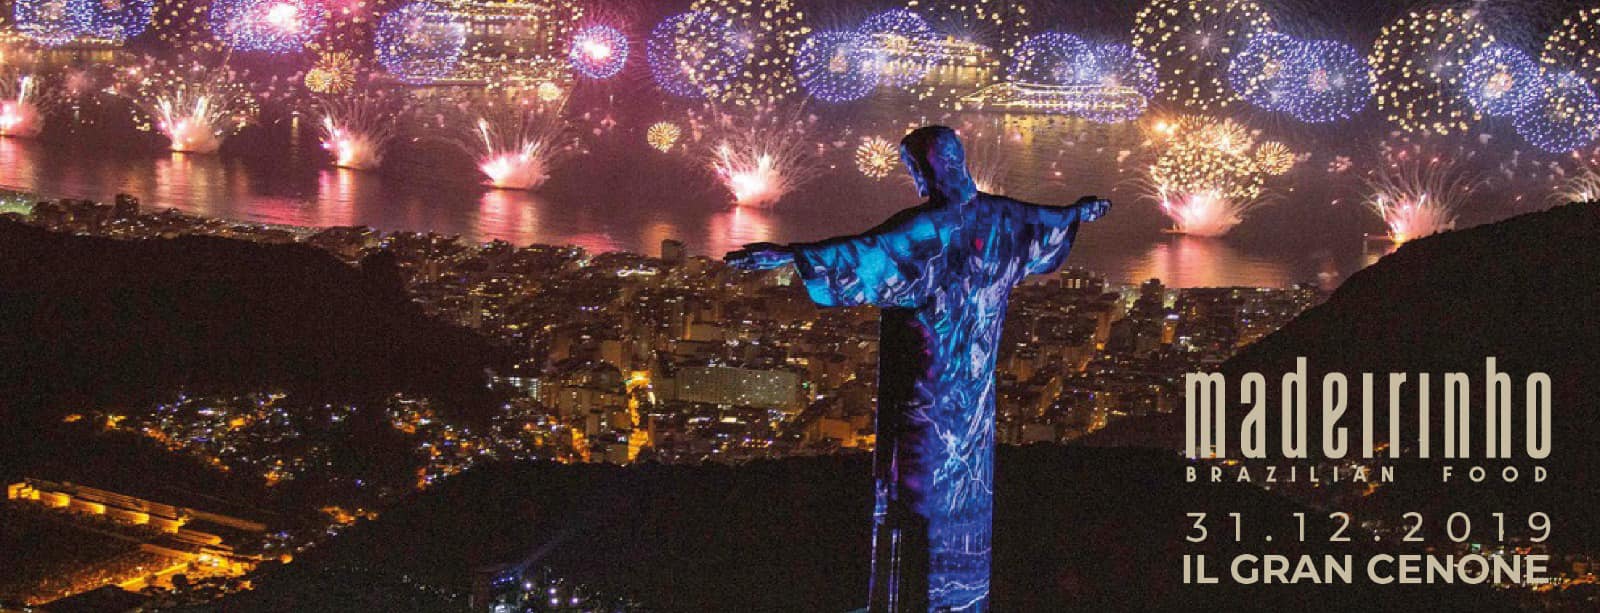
x=938, y=164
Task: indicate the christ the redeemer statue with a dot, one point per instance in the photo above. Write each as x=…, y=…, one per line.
x=942, y=272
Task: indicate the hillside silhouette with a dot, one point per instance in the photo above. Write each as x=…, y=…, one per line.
x=99, y=322
x=1521, y=290
x=1075, y=529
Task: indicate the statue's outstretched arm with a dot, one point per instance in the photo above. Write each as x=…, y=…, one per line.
x=1047, y=232
x=881, y=266
x=1086, y=209
x=760, y=256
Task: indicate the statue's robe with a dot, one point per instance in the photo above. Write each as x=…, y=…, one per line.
x=942, y=275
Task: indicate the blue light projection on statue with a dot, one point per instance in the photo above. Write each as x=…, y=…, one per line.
x=942, y=273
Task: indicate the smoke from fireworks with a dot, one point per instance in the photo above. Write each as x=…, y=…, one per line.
x=195, y=106
x=357, y=128
x=1417, y=197
x=1209, y=174
x=760, y=158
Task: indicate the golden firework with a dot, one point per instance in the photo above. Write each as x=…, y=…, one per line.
x=1419, y=63
x=1210, y=173
x=876, y=157
x=663, y=135
x=1192, y=43
x=1575, y=45
x=1274, y=158
x=746, y=51
x=548, y=91
x=334, y=73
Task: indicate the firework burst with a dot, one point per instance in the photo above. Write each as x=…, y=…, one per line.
x=663, y=135
x=195, y=106
x=686, y=39
x=1053, y=58
x=1335, y=83
x=1264, y=72
x=1417, y=197
x=1575, y=45
x=271, y=26
x=1117, y=65
x=1498, y=78
x=1275, y=158
x=1420, y=64
x=1209, y=174
x=54, y=23
x=876, y=157
x=835, y=67
x=518, y=141
x=745, y=47
x=1582, y=186
x=333, y=73
x=598, y=52
x=1560, y=116
x=20, y=112
x=998, y=24
x=417, y=42
x=762, y=157
x=357, y=128
x=890, y=36
x=1193, y=42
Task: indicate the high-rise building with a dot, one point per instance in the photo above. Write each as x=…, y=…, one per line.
x=673, y=252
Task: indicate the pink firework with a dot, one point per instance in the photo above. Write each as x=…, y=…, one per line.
x=1204, y=213
x=356, y=129
x=20, y=115
x=759, y=159
x=1417, y=198
x=518, y=142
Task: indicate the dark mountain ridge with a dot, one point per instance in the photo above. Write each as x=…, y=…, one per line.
x=1521, y=290
x=96, y=321
x=1076, y=529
